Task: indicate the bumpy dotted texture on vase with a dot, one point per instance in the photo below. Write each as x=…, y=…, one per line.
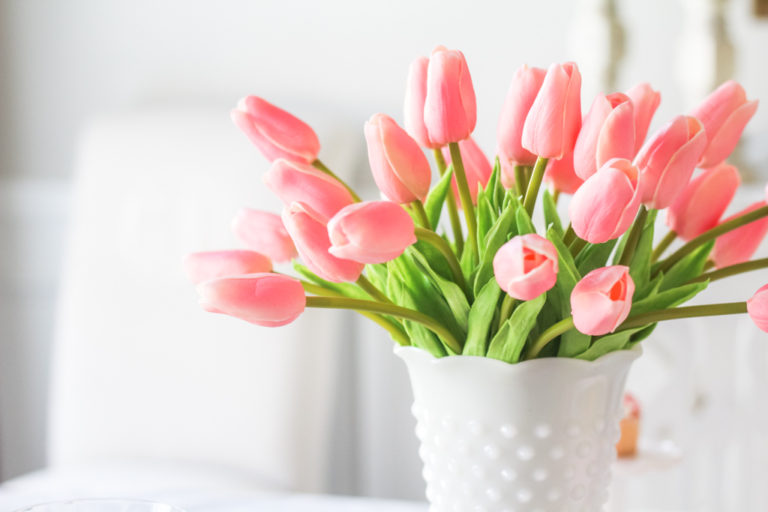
x=480, y=466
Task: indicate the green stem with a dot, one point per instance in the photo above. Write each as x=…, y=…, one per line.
x=450, y=201
x=551, y=333
x=371, y=290
x=569, y=235
x=387, y=309
x=556, y=196
x=713, y=233
x=507, y=305
x=421, y=213
x=732, y=270
x=634, y=236
x=728, y=308
x=520, y=184
x=663, y=246
x=533, y=186
x=441, y=245
x=464, y=195
x=317, y=164
x=576, y=246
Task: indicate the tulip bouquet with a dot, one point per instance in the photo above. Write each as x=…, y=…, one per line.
x=493, y=283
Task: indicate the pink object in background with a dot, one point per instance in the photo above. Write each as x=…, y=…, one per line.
x=203, y=266
x=450, y=110
x=666, y=162
x=645, y=101
x=604, y=207
x=561, y=176
x=264, y=232
x=703, y=201
x=601, y=301
x=371, y=232
x=310, y=234
x=526, y=266
x=525, y=85
x=476, y=166
x=724, y=114
x=275, y=132
x=553, y=123
x=415, y=96
x=265, y=299
x=739, y=245
x=757, y=307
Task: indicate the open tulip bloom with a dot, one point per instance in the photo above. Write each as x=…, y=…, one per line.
x=495, y=283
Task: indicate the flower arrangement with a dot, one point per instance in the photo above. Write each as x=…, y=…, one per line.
x=494, y=284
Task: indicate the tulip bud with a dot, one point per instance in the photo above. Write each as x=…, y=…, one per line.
x=310, y=234
x=553, y=123
x=525, y=85
x=264, y=232
x=450, y=111
x=601, y=301
x=724, y=114
x=561, y=176
x=415, y=96
x=666, y=162
x=645, y=101
x=294, y=182
x=757, y=307
x=269, y=300
x=526, y=266
x=703, y=201
x=371, y=232
x=739, y=245
x=605, y=205
x=203, y=266
x=275, y=132
x=476, y=166
x=608, y=131
x=398, y=164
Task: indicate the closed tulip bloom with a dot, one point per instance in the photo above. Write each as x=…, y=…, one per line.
x=525, y=85
x=608, y=131
x=264, y=232
x=507, y=170
x=202, y=266
x=269, y=300
x=553, y=122
x=275, y=132
x=561, y=176
x=294, y=182
x=601, y=301
x=703, y=201
x=450, y=110
x=371, y=232
x=415, y=96
x=645, y=101
x=605, y=205
x=526, y=266
x=667, y=161
x=476, y=166
x=757, y=307
x=724, y=114
x=739, y=245
x=399, y=167
x=310, y=234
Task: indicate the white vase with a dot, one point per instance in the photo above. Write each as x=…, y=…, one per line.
x=536, y=436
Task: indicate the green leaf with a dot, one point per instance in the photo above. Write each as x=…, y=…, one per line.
x=497, y=198
x=485, y=215
x=345, y=289
x=668, y=298
x=608, y=343
x=435, y=258
x=524, y=224
x=436, y=198
x=594, y=256
x=420, y=336
x=377, y=275
x=640, y=264
x=641, y=335
x=551, y=217
x=481, y=316
x=501, y=231
x=689, y=267
x=511, y=338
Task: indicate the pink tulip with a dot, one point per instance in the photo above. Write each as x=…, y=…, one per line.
x=476, y=166
x=739, y=245
x=398, y=164
x=507, y=170
x=757, y=307
x=526, y=266
x=371, y=232
x=269, y=300
x=308, y=230
x=724, y=114
x=645, y=102
x=553, y=123
x=608, y=131
x=561, y=176
x=294, y=182
x=666, y=162
x=275, y=132
x=525, y=85
x=415, y=96
x=203, y=266
x=450, y=111
x=703, y=201
x=601, y=301
x=604, y=206
x=264, y=232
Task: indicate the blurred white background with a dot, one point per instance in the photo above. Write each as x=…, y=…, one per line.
x=75, y=67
